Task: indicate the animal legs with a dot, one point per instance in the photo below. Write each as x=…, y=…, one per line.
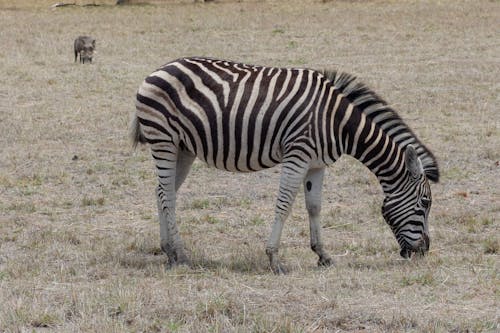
x=170, y=164
x=184, y=161
x=292, y=175
x=313, y=183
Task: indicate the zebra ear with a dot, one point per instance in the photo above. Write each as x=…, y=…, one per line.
x=413, y=163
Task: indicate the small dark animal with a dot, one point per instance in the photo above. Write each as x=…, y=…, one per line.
x=85, y=46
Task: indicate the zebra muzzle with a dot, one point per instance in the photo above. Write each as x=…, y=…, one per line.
x=421, y=248
x=405, y=253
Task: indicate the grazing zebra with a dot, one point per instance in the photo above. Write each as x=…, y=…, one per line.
x=244, y=118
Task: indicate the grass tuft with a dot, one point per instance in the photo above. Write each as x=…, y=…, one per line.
x=44, y=320
x=491, y=246
x=87, y=201
x=423, y=279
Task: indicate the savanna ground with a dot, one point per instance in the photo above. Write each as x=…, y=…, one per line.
x=79, y=240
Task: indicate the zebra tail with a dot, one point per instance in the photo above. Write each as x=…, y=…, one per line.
x=136, y=134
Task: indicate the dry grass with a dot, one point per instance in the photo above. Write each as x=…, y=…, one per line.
x=78, y=232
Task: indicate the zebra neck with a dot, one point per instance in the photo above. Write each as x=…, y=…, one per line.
x=385, y=160
x=354, y=120
x=358, y=136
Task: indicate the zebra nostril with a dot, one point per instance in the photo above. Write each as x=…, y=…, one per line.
x=422, y=246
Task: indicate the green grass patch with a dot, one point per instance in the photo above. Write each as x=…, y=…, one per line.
x=491, y=246
x=44, y=320
x=200, y=204
x=88, y=201
x=257, y=221
x=210, y=219
x=423, y=279
x=22, y=207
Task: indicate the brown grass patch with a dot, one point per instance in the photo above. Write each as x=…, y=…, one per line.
x=79, y=243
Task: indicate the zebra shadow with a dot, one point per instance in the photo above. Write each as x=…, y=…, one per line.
x=153, y=258
x=141, y=259
x=254, y=262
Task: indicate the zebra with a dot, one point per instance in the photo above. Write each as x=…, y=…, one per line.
x=246, y=118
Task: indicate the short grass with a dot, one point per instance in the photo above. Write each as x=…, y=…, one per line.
x=79, y=243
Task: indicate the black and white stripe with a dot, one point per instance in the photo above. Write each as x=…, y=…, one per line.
x=244, y=118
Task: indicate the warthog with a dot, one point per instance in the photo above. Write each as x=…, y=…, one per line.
x=85, y=46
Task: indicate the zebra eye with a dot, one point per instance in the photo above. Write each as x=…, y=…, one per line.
x=425, y=202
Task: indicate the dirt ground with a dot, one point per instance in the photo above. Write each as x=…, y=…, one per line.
x=79, y=238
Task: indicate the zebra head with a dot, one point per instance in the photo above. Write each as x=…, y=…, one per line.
x=406, y=211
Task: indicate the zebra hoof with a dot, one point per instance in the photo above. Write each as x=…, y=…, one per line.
x=325, y=262
x=274, y=262
x=172, y=265
x=279, y=269
x=177, y=261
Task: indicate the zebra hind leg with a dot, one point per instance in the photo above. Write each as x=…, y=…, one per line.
x=167, y=159
x=184, y=161
x=313, y=183
x=292, y=175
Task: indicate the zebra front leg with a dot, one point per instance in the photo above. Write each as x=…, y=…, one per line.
x=291, y=177
x=313, y=183
x=171, y=243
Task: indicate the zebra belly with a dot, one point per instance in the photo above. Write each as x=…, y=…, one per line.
x=235, y=160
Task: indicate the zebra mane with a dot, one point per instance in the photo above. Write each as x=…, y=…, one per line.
x=378, y=111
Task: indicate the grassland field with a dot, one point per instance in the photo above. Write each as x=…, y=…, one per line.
x=79, y=237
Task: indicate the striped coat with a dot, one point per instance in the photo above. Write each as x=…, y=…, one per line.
x=245, y=118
